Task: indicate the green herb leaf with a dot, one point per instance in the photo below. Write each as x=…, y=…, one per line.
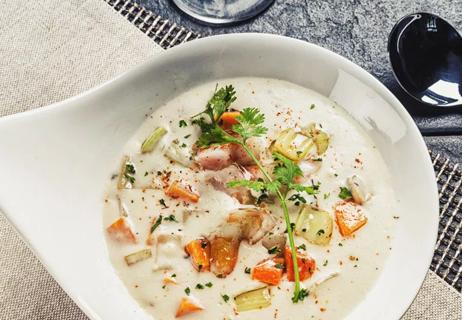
x=187, y=291
x=345, y=193
x=247, y=270
x=182, y=124
x=225, y=297
x=209, y=284
x=171, y=218
x=302, y=294
x=156, y=224
x=250, y=124
x=199, y=286
x=302, y=247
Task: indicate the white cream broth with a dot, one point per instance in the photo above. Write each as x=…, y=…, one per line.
x=358, y=260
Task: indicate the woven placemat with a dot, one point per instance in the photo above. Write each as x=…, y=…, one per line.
x=447, y=261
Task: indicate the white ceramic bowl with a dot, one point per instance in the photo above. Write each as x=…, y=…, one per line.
x=54, y=163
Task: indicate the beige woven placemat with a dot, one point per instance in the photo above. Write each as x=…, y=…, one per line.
x=54, y=49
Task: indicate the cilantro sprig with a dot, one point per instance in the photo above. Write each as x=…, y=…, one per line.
x=250, y=124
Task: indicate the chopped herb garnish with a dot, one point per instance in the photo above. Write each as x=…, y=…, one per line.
x=312, y=106
x=162, y=202
x=187, y=136
x=187, y=291
x=209, y=284
x=302, y=294
x=156, y=224
x=340, y=244
x=182, y=124
x=279, y=266
x=247, y=270
x=302, y=247
x=173, y=275
x=183, y=145
x=297, y=199
x=274, y=250
x=326, y=195
x=146, y=173
x=320, y=232
x=199, y=286
x=129, y=172
x=325, y=263
x=171, y=218
x=163, y=287
x=225, y=297
x=344, y=193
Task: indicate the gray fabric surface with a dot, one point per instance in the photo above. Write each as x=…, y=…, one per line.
x=52, y=50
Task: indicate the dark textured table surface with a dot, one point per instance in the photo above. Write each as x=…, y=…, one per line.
x=355, y=29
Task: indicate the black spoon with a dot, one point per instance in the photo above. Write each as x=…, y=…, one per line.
x=426, y=57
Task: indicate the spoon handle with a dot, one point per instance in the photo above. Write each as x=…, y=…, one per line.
x=454, y=131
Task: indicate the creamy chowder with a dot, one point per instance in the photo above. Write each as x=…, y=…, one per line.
x=188, y=241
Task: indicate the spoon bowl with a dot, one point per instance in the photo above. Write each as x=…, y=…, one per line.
x=426, y=57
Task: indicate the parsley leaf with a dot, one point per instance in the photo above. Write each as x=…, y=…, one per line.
x=302, y=294
x=286, y=170
x=225, y=297
x=344, y=193
x=249, y=124
x=182, y=124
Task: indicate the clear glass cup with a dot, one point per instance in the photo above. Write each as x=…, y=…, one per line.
x=222, y=12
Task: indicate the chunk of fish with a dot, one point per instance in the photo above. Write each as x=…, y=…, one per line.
x=219, y=180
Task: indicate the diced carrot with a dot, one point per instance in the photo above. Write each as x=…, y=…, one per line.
x=349, y=217
x=175, y=190
x=269, y=271
x=120, y=230
x=229, y=119
x=199, y=250
x=188, y=305
x=169, y=280
x=223, y=253
x=306, y=265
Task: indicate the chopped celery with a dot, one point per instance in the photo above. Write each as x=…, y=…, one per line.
x=294, y=145
x=138, y=256
x=320, y=138
x=254, y=299
x=150, y=142
x=314, y=225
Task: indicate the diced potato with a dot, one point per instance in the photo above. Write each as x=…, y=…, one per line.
x=314, y=225
x=293, y=145
x=254, y=299
x=349, y=217
x=138, y=256
x=178, y=154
